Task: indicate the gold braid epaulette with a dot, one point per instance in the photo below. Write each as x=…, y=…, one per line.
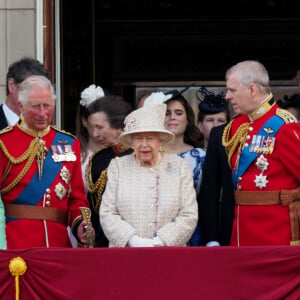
x=63, y=131
x=236, y=142
x=29, y=154
x=286, y=116
x=6, y=129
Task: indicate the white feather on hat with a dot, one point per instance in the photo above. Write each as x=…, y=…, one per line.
x=157, y=98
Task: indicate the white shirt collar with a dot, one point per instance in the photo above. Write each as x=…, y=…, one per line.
x=11, y=117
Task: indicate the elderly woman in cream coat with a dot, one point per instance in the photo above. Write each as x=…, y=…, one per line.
x=149, y=198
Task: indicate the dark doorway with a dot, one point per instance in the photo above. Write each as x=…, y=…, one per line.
x=117, y=44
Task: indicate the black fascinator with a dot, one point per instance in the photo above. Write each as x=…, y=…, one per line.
x=176, y=93
x=209, y=102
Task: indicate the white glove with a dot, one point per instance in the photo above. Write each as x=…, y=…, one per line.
x=137, y=241
x=158, y=242
x=213, y=244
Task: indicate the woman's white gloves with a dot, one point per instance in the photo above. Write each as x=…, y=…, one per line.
x=158, y=242
x=137, y=241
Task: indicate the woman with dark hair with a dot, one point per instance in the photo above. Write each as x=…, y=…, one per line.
x=87, y=123
x=213, y=112
x=111, y=112
x=180, y=119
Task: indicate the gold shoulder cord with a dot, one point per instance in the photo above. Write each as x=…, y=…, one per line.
x=95, y=190
x=29, y=154
x=236, y=142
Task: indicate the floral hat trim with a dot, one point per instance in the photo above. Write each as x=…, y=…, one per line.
x=90, y=94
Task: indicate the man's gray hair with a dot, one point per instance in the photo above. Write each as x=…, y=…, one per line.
x=32, y=82
x=251, y=71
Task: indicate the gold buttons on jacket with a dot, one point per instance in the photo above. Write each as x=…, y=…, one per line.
x=48, y=203
x=240, y=178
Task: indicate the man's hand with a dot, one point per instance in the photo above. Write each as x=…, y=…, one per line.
x=83, y=232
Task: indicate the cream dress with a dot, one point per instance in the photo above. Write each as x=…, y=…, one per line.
x=149, y=201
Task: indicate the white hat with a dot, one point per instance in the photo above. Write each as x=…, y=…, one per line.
x=148, y=118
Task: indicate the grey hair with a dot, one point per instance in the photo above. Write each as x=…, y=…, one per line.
x=251, y=71
x=32, y=82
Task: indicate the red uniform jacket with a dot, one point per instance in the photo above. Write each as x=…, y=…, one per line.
x=267, y=224
x=60, y=187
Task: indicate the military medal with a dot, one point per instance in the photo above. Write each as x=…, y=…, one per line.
x=60, y=190
x=253, y=144
x=262, y=163
x=270, y=144
x=262, y=144
x=261, y=181
x=65, y=175
x=257, y=147
x=62, y=153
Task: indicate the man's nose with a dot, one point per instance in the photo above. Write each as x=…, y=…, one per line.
x=227, y=96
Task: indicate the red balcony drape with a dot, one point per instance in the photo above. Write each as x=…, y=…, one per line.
x=155, y=273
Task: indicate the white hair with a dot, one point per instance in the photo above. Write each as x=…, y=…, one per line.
x=32, y=82
x=249, y=71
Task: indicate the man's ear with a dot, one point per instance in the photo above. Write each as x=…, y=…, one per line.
x=12, y=87
x=253, y=89
x=20, y=106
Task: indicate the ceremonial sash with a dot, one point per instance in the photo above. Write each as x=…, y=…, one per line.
x=36, y=188
x=247, y=157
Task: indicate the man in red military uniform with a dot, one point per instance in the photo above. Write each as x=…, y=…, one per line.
x=41, y=183
x=261, y=143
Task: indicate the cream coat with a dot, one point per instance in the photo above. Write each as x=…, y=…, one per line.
x=149, y=201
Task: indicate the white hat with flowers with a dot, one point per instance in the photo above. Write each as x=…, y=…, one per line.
x=149, y=118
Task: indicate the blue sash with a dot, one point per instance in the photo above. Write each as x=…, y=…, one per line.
x=31, y=195
x=247, y=157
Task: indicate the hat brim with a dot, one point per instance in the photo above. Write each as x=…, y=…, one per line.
x=165, y=135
